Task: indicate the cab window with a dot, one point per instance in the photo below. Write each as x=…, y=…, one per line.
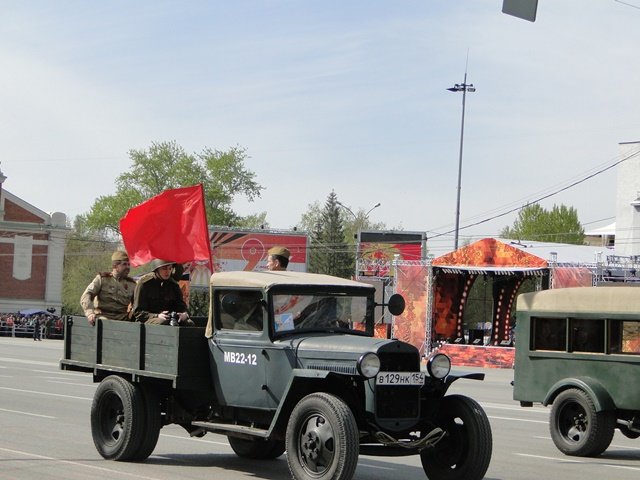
x=240, y=310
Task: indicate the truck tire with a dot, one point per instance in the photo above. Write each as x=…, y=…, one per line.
x=576, y=428
x=152, y=424
x=322, y=439
x=257, y=449
x=464, y=452
x=117, y=418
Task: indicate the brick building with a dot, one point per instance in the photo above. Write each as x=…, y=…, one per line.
x=32, y=244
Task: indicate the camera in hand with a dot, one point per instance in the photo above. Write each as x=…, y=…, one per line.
x=174, y=319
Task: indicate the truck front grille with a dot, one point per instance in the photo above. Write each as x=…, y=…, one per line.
x=398, y=401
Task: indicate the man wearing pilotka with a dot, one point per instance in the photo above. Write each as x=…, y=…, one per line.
x=278, y=259
x=110, y=294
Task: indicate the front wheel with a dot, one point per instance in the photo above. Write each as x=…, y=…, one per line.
x=117, y=419
x=576, y=428
x=464, y=452
x=257, y=449
x=322, y=439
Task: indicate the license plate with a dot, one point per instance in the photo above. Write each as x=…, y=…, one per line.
x=400, y=378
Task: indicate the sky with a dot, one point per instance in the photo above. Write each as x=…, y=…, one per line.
x=344, y=96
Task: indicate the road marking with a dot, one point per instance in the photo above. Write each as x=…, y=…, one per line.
x=364, y=464
x=64, y=373
x=72, y=383
x=195, y=439
x=115, y=473
x=517, y=419
x=623, y=447
x=550, y=458
x=28, y=362
x=45, y=393
x=26, y=413
x=588, y=461
x=502, y=406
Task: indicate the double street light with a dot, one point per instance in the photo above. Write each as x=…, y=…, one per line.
x=463, y=87
x=355, y=217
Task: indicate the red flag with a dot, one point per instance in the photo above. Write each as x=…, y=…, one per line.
x=171, y=226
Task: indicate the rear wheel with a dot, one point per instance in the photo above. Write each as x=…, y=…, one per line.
x=257, y=449
x=576, y=428
x=117, y=418
x=464, y=452
x=152, y=424
x=322, y=439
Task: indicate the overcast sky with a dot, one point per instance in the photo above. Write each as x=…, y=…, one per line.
x=327, y=95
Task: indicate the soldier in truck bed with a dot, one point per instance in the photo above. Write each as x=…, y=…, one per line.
x=157, y=294
x=110, y=294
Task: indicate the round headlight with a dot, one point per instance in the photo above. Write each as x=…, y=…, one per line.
x=369, y=365
x=439, y=365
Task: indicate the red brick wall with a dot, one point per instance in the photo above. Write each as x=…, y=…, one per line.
x=32, y=288
x=14, y=213
x=474, y=356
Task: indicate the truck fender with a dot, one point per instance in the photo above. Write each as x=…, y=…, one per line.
x=301, y=383
x=453, y=376
x=602, y=401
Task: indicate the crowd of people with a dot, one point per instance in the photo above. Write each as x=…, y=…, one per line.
x=38, y=325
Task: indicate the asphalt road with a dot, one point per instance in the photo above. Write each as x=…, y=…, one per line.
x=45, y=433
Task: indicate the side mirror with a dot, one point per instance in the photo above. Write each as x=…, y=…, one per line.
x=396, y=304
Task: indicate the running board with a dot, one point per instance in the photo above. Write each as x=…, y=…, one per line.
x=228, y=427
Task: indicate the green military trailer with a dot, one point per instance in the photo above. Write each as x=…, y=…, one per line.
x=578, y=350
x=286, y=361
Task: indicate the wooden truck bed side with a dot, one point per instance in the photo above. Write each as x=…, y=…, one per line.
x=177, y=354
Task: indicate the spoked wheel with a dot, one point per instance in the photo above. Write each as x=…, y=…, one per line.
x=464, y=452
x=576, y=428
x=257, y=449
x=322, y=439
x=117, y=418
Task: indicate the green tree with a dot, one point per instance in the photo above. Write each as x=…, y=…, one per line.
x=558, y=225
x=353, y=222
x=330, y=253
x=166, y=165
x=85, y=255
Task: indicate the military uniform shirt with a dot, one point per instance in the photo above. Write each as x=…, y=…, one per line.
x=154, y=295
x=108, y=296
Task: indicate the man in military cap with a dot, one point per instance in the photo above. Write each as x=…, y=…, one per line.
x=158, y=294
x=278, y=258
x=109, y=295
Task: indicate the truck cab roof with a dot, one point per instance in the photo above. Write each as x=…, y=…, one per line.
x=268, y=279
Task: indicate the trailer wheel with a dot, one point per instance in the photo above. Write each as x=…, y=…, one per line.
x=322, y=439
x=464, y=452
x=576, y=428
x=257, y=449
x=152, y=424
x=117, y=418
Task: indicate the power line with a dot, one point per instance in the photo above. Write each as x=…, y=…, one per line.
x=544, y=197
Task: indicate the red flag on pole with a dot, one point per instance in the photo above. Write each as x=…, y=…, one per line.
x=171, y=226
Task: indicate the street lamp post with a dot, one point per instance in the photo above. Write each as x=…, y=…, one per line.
x=464, y=88
x=355, y=219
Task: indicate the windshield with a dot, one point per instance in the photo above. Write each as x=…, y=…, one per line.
x=320, y=312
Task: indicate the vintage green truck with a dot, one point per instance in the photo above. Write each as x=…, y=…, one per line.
x=286, y=361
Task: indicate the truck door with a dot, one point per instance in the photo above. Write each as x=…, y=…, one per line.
x=238, y=346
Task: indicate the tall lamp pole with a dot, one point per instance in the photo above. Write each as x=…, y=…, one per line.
x=463, y=87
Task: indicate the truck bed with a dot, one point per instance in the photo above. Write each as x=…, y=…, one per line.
x=176, y=354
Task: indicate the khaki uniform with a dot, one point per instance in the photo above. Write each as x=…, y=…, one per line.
x=108, y=296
